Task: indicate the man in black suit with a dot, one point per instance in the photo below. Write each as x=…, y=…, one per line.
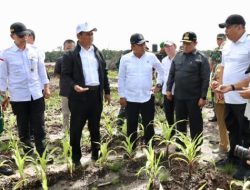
x=85, y=76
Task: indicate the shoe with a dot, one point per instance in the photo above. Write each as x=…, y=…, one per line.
x=227, y=161
x=77, y=164
x=241, y=173
x=213, y=119
x=6, y=171
x=219, y=151
x=213, y=142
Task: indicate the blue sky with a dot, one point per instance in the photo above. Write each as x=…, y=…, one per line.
x=158, y=20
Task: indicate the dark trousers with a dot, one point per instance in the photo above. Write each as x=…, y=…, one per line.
x=169, y=110
x=238, y=127
x=147, y=110
x=30, y=114
x=189, y=109
x=89, y=108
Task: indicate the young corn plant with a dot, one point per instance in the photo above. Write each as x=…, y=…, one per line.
x=152, y=167
x=189, y=150
x=20, y=160
x=104, y=154
x=127, y=146
x=44, y=159
x=245, y=185
x=42, y=175
x=67, y=153
x=166, y=136
x=108, y=126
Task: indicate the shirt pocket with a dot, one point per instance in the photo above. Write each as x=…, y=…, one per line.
x=16, y=68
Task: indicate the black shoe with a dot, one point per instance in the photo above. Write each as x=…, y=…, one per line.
x=241, y=173
x=94, y=155
x=226, y=161
x=213, y=119
x=77, y=164
x=6, y=171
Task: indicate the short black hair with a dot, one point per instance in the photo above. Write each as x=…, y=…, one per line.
x=68, y=41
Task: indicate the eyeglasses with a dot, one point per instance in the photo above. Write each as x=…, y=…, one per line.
x=87, y=33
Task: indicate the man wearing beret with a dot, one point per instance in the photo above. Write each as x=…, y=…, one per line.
x=235, y=61
x=190, y=73
x=22, y=73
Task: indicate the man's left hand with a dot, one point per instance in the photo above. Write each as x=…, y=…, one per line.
x=201, y=102
x=155, y=89
x=46, y=92
x=107, y=98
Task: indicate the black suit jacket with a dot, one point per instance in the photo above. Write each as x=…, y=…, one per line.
x=72, y=74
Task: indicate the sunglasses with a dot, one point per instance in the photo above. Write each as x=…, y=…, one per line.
x=87, y=33
x=21, y=35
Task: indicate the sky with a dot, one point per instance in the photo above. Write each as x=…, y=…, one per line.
x=116, y=20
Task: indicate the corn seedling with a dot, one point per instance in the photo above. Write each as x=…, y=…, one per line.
x=245, y=185
x=166, y=136
x=44, y=159
x=42, y=175
x=109, y=125
x=152, y=167
x=127, y=146
x=67, y=153
x=189, y=150
x=20, y=160
x=3, y=163
x=104, y=154
x=20, y=184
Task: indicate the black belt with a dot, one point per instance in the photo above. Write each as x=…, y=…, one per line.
x=93, y=88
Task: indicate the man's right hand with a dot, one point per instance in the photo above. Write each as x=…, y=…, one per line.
x=5, y=103
x=214, y=85
x=80, y=89
x=123, y=102
x=169, y=95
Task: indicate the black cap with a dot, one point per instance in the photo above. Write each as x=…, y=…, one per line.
x=18, y=28
x=137, y=39
x=189, y=37
x=221, y=36
x=233, y=19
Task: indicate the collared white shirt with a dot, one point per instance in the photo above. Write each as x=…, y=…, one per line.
x=135, y=76
x=235, y=60
x=22, y=73
x=166, y=64
x=89, y=66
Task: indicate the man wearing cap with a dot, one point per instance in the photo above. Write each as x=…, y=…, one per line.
x=67, y=46
x=170, y=49
x=135, y=86
x=22, y=73
x=161, y=54
x=235, y=61
x=85, y=77
x=190, y=74
x=214, y=61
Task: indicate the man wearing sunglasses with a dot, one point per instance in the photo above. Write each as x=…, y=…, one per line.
x=85, y=76
x=22, y=72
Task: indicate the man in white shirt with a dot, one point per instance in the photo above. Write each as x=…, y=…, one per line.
x=170, y=49
x=135, y=86
x=22, y=72
x=235, y=61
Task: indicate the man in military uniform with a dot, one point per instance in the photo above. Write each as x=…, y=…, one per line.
x=190, y=73
x=214, y=61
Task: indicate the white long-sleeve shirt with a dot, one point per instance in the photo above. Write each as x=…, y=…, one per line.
x=22, y=73
x=135, y=76
x=166, y=64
